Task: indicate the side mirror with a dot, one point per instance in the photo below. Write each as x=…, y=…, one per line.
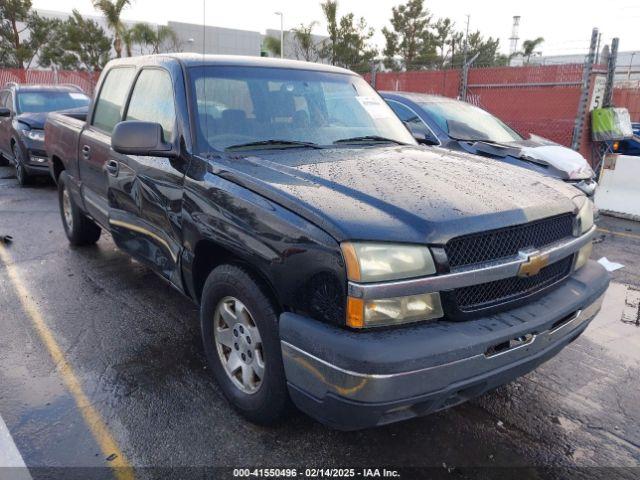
x=141, y=138
x=423, y=138
x=5, y=112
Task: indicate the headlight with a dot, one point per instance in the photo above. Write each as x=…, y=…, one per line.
x=393, y=311
x=581, y=173
x=584, y=220
x=36, y=135
x=379, y=262
x=583, y=255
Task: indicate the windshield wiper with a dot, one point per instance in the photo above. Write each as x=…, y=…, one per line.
x=368, y=139
x=274, y=143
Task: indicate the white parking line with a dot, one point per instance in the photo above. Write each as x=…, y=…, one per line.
x=10, y=457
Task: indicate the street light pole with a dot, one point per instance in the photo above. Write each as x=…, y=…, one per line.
x=281, y=33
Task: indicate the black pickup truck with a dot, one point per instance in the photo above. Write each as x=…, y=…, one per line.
x=338, y=266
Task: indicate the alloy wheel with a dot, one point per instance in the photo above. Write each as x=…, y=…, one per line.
x=66, y=209
x=239, y=345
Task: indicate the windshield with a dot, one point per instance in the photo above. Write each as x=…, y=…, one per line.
x=36, y=102
x=286, y=108
x=463, y=121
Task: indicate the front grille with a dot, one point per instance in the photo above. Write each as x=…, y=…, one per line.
x=507, y=242
x=487, y=295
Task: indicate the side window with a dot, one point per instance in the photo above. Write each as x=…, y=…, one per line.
x=415, y=123
x=110, y=102
x=405, y=114
x=152, y=101
x=3, y=98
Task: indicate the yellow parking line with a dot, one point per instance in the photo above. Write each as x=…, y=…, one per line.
x=93, y=419
x=620, y=234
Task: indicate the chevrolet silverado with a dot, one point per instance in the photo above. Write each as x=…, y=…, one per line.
x=337, y=265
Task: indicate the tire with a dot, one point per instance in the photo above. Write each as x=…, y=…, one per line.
x=80, y=229
x=22, y=176
x=228, y=285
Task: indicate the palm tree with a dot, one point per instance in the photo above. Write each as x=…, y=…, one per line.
x=144, y=35
x=112, y=10
x=529, y=47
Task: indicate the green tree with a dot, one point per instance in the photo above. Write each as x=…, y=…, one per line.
x=348, y=42
x=304, y=44
x=529, y=47
x=22, y=33
x=445, y=39
x=78, y=44
x=112, y=11
x=272, y=45
x=485, y=48
x=409, y=38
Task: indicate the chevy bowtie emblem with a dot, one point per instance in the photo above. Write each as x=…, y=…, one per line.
x=535, y=262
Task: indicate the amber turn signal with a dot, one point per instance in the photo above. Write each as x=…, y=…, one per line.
x=351, y=260
x=355, y=312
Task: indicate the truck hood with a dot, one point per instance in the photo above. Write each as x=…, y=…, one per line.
x=565, y=162
x=399, y=193
x=33, y=120
x=37, y=120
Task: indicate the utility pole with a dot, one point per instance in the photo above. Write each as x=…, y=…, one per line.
x=281, y=33
x=611, y=73
x=466, y=40
x=584, y=93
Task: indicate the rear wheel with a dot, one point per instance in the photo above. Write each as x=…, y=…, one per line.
x=21, y=173
x=80, y=229
x=240, y=335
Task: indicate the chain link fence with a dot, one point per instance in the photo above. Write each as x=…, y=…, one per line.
x=85, y=80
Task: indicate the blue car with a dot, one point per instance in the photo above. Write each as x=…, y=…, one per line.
x=629, y=146
x=457, y=125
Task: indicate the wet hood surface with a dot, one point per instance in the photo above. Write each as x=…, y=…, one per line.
x=399, y=193
x=33, y=120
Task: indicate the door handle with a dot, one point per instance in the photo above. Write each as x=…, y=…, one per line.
x=86, y=152
x=112, y=168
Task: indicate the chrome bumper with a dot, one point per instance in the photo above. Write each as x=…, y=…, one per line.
x=320, y=378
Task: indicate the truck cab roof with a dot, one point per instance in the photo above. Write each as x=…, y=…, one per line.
x=196, y=59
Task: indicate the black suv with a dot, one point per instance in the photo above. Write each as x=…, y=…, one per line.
x=23, y=111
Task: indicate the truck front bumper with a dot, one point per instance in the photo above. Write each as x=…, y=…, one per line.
x=352, y=380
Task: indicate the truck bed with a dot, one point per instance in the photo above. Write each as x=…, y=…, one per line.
x=62, y=134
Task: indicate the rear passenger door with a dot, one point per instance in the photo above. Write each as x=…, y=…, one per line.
x=145, y=195
x=95, y=141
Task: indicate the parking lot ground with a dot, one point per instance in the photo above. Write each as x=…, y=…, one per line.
x=131, y=344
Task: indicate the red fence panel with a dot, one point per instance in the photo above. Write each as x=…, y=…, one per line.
x=85, y=80
x=541, y=99
x=436, y=82
x=628, y=97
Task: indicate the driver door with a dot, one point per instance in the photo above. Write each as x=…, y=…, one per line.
x=145, y=192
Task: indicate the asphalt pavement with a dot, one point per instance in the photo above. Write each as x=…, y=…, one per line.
x=102, y=368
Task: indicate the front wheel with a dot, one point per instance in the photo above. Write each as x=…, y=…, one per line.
x=21, y=172
x=240, y=334
x=80, y=229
